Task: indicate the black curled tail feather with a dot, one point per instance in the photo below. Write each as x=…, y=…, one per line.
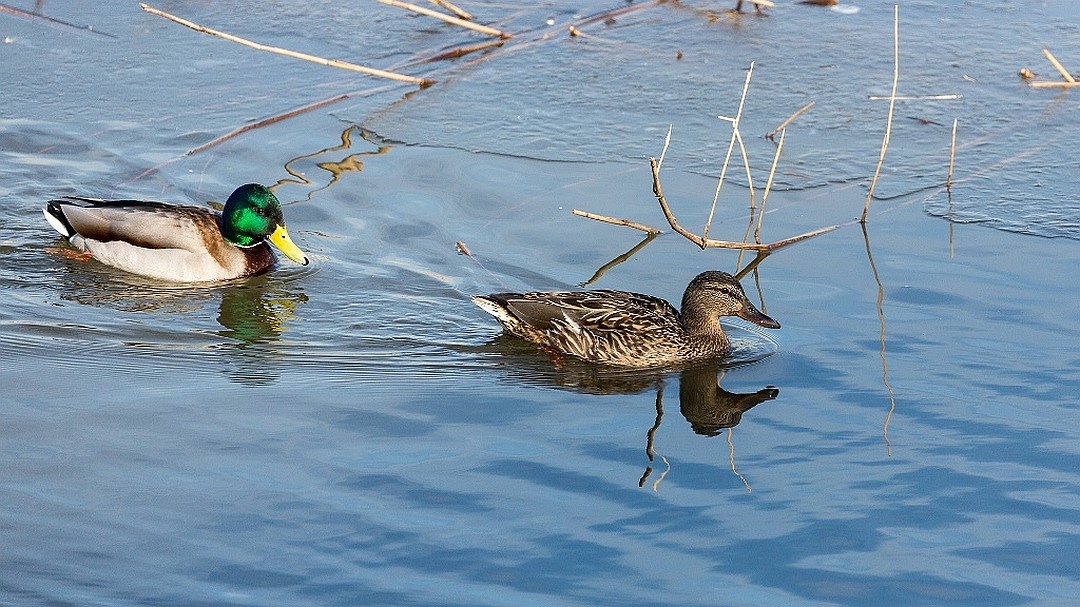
x=54, y=214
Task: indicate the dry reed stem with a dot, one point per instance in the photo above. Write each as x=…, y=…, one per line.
x=727, y=157
x=952, y=156
x=892, y=106
x=948, y=97
x=784, y=124
x=295, y=55
x=18, y=12
x=768, y=186
x=884, y=357
x=615, y=221
x=705, y=243
x=1057, y=66
x=618, y=260
x=461, y=51
x=1053, y=85
x=453, y=9
x=667, y=142
x=483, y=29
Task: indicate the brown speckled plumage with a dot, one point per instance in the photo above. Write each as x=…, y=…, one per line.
x=628, y=329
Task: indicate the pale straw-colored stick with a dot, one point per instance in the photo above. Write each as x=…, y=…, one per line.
x=295, y=55
x=768, y=186
x=731, y=146
x=1057, y=66
x=616, y=221
x=483, y=29
x=453, y=9
x=892, y=106
x=952, y=156
x=948, y=97
x=784, y=124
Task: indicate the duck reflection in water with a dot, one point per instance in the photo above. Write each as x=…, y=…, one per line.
x=708, y=407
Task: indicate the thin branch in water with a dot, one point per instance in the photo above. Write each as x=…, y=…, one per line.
x=483, y=29
x=461, y=51
x=731, y=146
x=705, y=243
x=295, y=55
x=768, y=186
x=1068, y=81
x=784, y=124
x=952, y=157
x=667, y=142
x=618, y=260
x=731, y=458
x=616, y=221
x=1057, y=66
x=453, y=9
x=884, y=358
x=892, y=106
x=949, y=97
x=18, y=12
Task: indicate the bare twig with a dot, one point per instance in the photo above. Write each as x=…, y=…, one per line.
x=952, y=157
x=483, y=29
x=727, y=157
x=295, y=55
x=948, y=97
x=892, y=106
x=705, y=243
x=768, y=186
x=667, y=142
x=461, y=51
x=1051, y=85
x=784, y=124
x=1069, y=81
x=453, y=9
x=616, y=221
x=1057, y=66
x=18, y=12
x=618, y=260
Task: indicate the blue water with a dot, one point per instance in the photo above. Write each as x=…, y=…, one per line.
x=356, y=432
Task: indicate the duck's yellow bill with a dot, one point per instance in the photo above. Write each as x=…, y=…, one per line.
x=280, y=239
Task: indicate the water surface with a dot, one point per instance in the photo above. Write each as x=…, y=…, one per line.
x=357, y=432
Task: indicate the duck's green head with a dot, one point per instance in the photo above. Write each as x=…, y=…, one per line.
x=253, y=214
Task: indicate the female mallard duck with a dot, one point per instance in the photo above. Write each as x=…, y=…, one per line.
x=628, y=329
x=178, y=243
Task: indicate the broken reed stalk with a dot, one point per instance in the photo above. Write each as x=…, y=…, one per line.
x=461, y=51
x=768, y=187
x=667, y=142
x=295, y=55
x=483, y=29
x=1057, y=66
x=952, y=157
x=618, y=260
x=727, y=157
x=1069, y=81
x=453, y=9
x=892, y=106
x=784, y=124
x=705, y=243
x=616, y=221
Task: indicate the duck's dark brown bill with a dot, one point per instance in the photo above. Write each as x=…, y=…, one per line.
x=749, y=312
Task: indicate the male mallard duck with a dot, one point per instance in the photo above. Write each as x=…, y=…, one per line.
x=178, y=243
x=628, y=329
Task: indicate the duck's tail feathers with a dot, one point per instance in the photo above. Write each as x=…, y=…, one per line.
x=54, y=214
